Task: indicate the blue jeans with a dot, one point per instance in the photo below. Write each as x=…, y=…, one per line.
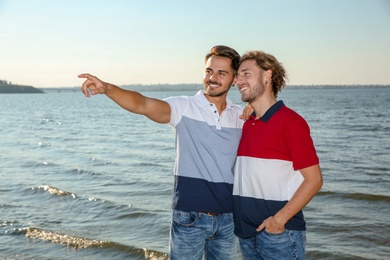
x=287, y=245
x=196, y=235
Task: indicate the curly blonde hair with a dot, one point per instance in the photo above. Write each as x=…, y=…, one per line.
x=268, y=62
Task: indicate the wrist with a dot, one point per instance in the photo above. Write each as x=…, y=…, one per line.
x=109, y=88
x=280, y=220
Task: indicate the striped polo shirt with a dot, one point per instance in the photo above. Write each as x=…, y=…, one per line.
x=270, y=154
x=206, y=149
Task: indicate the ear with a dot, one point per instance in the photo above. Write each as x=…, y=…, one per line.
x=268, y=75
x=234, y=81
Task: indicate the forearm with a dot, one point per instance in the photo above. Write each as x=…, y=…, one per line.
x=307, y=190
x=130, y=100
x=134, y=102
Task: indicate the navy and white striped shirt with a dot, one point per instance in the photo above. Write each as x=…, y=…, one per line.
x=206, y=150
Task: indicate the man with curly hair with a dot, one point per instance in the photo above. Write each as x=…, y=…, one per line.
x=277, y=170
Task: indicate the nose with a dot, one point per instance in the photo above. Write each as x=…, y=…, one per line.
x=239, y=81
x=214, y=77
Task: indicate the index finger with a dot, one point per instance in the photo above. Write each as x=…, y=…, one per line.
x=86, y=76
x=261, y=227
x=87, y=82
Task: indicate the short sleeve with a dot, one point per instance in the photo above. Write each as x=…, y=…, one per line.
x=301, y=144
x=178, y=107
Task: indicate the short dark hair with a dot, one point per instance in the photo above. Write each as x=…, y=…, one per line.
x=225, y=51
x=266, y=62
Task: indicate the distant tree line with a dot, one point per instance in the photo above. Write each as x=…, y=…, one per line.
x=5, y=82
x=163, y=87
x=8, y=87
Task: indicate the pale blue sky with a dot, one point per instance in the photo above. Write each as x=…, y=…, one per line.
x=47, y=43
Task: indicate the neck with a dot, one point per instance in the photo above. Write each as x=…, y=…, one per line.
x=262, y=104
x=218, y=101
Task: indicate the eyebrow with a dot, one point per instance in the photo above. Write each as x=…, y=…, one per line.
x=224, y=71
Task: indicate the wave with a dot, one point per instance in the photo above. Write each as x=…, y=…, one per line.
x=368, y=197
x=147, y=164
x=35, y=164
x=82, y=243
x=116, y=211
x=82, y=172
x=63, y=239
x=56, y=191
x=357, y=196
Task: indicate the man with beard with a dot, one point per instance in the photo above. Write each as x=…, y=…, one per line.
x=208, y=131
x=277, y=169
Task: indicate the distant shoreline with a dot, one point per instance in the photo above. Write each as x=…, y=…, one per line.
x=9, y=88
x=195, y=87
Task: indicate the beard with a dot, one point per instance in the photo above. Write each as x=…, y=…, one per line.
x=254, y=93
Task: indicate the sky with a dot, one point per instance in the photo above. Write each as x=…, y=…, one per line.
x=47, y=43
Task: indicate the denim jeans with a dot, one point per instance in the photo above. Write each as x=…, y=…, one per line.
x=196, y=236
x=287, y=245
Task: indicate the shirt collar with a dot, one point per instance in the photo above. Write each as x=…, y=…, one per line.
x=200, y=96
x=270, y=112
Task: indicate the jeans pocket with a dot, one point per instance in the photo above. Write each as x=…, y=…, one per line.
x=229, y=216
x=184, y=218
x=273, y=240
x=285, y=245
x=275, y=234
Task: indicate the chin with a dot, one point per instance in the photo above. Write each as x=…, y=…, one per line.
x=249, y=100
x=215, y=93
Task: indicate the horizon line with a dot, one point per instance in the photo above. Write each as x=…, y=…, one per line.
x=201, y=84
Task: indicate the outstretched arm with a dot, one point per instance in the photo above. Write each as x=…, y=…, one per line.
x=310, y=186
x=155, y=109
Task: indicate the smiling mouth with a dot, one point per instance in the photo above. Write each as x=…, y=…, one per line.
x=213, y=85
x=243, y=89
